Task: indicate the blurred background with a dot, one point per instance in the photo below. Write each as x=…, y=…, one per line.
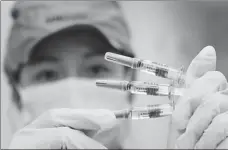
x=170, y=32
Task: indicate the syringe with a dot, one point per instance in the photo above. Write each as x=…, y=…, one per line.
x=145, y=88
x=157, y=69
x=150, y=111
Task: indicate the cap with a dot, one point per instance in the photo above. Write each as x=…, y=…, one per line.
x=35, y=20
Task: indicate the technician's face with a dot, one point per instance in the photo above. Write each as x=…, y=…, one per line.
x=70, y=63
x=66, y=55
x=61, y=74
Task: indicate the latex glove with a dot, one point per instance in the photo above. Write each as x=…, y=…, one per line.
x=67, y=128
x=208, y=126
x=187, y=123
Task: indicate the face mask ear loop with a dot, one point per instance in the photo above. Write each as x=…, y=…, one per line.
x=13, y=85
x=16, y=96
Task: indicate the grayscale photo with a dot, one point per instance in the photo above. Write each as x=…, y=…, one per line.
x=114, y=74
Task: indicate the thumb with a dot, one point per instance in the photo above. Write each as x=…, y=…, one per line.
x=205, y=61
x=110, y=137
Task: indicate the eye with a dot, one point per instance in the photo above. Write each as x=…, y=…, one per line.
x=98, y=70
x=46, y=75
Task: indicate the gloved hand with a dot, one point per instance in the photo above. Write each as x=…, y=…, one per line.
x=68, y=128
x=200, y=119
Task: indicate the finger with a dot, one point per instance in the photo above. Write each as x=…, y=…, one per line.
x=209, y=83
x=223, y=144
x=215, y=104
x=215, y=133
x=225, y=92
x=53, y=138
x=110, y=137
x=205, y=61
x=74, y=139
x=78, y=119
x=35, y=139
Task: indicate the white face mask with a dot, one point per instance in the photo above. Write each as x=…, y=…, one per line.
x=71, y=93
x=68, y=93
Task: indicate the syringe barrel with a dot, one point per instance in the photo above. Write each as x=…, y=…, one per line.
x=150, y=111
x=154, y=68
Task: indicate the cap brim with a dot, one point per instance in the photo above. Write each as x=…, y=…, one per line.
x=74, y=28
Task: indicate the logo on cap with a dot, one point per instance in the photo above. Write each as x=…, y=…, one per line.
x=58, y=18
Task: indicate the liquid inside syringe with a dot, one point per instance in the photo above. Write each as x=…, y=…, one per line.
x=150, y=111
x=145, y=88
x=154, y=68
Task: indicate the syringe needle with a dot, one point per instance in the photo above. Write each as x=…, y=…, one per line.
x=147, y=66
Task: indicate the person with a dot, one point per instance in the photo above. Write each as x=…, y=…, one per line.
x=55, y=52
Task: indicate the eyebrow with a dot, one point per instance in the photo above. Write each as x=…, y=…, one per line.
x=94, y=53
x=43, y=59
